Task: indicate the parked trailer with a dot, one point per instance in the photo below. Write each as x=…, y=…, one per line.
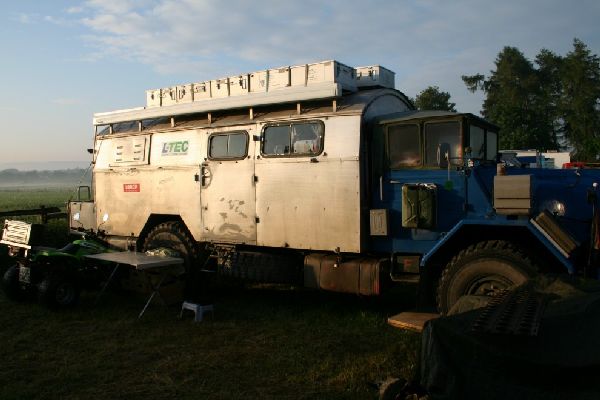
x=342, y=187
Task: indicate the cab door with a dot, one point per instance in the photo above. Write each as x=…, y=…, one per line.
x=227, y=186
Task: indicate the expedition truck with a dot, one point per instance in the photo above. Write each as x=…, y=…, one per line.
x=326, y=175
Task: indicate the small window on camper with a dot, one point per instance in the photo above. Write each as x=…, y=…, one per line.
x=443, y=144
x=296, y=139
x=404, y=146
x=477, y=142
x=231, y=145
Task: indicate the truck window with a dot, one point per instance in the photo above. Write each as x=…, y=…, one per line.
x=227, y=146
x=492, y=145
x=477, y=142
x=442, y=139
x=296, y=139
x=404, y=146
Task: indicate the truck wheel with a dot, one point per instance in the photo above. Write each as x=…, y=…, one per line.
x=483, y=269
x=173, y=235
x=11, y=285
x=58, y=291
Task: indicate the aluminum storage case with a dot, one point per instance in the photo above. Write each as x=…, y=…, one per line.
x=169, y=96
x=238, y=85
x=375, y=75
x=331, y=71
x=201, y=91
x=185, y=93
x=258, y=81
x=153, y=98
x=278, y=78
x=219, y=88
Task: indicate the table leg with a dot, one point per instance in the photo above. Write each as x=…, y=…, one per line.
x=154, y=292
x=112, y=274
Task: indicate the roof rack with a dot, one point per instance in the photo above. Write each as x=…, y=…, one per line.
x=295, y=84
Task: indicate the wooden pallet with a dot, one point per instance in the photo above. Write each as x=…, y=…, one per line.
x=411, y=320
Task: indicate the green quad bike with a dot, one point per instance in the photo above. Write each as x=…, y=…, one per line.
x=56, y=276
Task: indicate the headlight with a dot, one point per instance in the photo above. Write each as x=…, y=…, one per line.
x=76, y=217
x=556, y=208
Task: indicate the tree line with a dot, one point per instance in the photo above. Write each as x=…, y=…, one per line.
x=550, y=103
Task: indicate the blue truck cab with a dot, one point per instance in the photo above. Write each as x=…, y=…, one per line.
x=449, y=211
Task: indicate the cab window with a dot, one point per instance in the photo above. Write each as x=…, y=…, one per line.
x=443, y=144
x=477, y=142
x=404, y=146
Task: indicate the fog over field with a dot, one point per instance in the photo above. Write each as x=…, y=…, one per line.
x=44, y=165
x=14, y=178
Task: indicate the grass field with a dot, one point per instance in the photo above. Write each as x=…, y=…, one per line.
x=56, y=232
x=20, y=199
x=263, y=342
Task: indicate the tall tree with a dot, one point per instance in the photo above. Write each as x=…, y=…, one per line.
x=433, y=98
x=554, y=103
x=512, y=91
x=550, y=95
x=580, y=102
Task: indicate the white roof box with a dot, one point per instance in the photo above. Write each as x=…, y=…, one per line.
x=375, y=76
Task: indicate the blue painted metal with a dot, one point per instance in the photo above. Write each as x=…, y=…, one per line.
x=465, y=199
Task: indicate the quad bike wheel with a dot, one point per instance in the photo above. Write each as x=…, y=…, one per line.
x=58, y=291
x=11, y=285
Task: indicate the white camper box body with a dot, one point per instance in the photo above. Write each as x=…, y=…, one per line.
x=158, y=162
x=301, y=202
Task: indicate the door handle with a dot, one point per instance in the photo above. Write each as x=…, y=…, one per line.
x=204, y=175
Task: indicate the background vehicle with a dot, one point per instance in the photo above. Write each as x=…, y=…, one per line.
x=56, y=276
x=326, y=175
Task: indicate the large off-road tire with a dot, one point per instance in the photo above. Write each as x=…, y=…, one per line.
x=58, y=290
x=483, y=269
x=174, y=235
x=10, y=284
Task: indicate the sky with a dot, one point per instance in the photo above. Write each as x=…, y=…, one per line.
x=63, y=61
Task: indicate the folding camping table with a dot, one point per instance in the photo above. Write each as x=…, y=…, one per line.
x=141, y=262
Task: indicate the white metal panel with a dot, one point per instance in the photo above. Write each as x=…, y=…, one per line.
x=130, y=195
x=375, y=75
x=238, y=85
x=176, y=148
x=258, y=82
x=219, y=88
x=313, y=205
x=129, y=151
x=331, y=71
x=299, y=74
x=153, y=98
x=201, y=91
x=169, y=96
x=308, y=205
x=228, y=194
x=185, y=93
x=278, y=78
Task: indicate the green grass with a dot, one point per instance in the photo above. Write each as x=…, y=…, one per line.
x=56, y=231
x=263, y=342
x=24, y=199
